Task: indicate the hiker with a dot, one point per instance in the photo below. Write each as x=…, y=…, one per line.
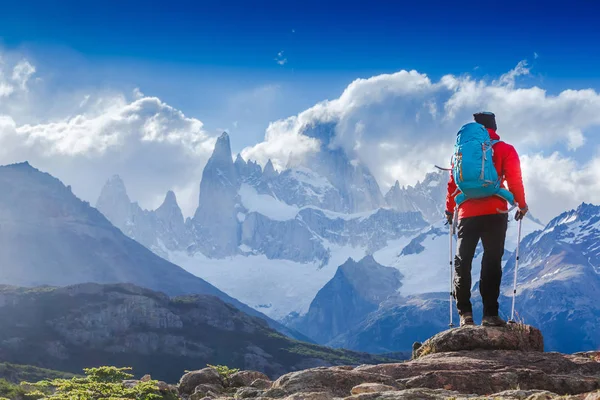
x=484, y=218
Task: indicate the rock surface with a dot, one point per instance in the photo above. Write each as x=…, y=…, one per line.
x=492, y=371
x=372, y=388
x=261, y=384
x=338, y=382
x=310, y=396
x=523, y=373
x=190, y=381
x=245, y=378
x=512, y=337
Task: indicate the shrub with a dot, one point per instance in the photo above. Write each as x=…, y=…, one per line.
x=9, y=390
x=224, y=370
x=98, y=383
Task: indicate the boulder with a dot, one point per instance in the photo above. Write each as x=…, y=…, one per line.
x=146, y=378
x=207, y=390
x=511, y=337
x=372, y=388
x=245, y=378
x=310, y=396
x=165, y=387
x=206, y=376
x=261, y=384
x=485, y=372
x=248, y=393
x=410, y=394
x=338, y=382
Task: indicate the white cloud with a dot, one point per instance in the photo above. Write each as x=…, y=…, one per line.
x=536, y=55
x=6, y=88
x=22, y=72
x=398, y=124
x=557, y=183
x=152, y=145
x=508, y=80
x=137, y=94
x=417, y=119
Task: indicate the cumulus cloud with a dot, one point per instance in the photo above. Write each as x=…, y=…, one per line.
x=401, y=124
x=152, y=145
x=556, y=183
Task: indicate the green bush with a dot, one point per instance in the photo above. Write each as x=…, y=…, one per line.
x=224, y=370
x=104, y=383
x=9, y=390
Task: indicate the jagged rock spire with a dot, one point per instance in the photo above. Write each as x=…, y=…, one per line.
x=269, y=171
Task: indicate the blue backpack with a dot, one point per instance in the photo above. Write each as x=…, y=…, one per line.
x=473, y=167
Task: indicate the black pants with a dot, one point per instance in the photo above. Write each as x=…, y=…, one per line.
x=491, y=229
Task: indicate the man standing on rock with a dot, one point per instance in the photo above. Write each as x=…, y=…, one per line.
x=486, y=219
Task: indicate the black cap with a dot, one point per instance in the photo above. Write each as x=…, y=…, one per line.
x=487, y=119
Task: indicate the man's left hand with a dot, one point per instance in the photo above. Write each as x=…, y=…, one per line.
x=449, y=218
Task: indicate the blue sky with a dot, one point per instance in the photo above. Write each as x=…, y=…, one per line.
x=69, y=70
x=217, y=60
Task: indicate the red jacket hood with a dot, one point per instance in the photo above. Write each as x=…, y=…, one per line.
x=493, y=134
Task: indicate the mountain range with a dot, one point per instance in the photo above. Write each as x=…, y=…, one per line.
x=314, y=235
x=316, y=246
x=50, y=237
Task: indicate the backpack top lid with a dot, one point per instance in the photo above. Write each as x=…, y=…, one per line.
x=487, y=119
x=472, y=131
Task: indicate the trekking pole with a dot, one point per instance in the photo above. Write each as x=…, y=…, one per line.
x=450, y=231
x=512, y=313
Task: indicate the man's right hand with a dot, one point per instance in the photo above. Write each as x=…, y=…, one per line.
x=449, y=217
x=521, y=213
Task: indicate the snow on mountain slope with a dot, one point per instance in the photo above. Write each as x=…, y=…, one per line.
x=287, y=232
x=424, y=261
x=48, y=236
x=266, y=205
x=558, y=286
x=277, y=288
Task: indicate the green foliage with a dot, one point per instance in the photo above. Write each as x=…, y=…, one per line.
x=10, y=390
x=104, y=383
x=224, y=370
x=18, y=373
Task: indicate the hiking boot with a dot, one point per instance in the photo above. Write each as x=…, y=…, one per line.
x=466, y=319
x=493, y=321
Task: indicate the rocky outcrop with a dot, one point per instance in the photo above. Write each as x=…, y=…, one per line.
x=512, y=337
x=190, y=381
x=453, y=368
x=339, y=382
x=247, y=378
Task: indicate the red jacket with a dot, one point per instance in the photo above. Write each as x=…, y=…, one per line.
x=508, y=166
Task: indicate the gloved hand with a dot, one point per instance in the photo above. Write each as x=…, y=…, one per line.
x=449, y=217
x=521, y=213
